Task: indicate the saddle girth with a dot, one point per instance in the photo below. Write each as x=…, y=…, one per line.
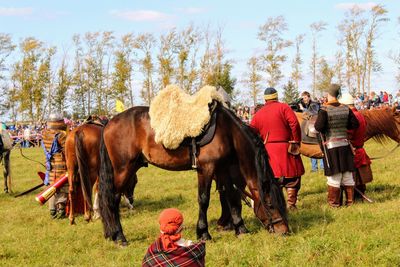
x=205, y=137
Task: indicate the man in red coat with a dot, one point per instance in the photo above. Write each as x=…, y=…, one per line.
x=278, y=127
x=362, y=162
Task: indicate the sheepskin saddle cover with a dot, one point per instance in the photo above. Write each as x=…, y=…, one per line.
x=175, y=115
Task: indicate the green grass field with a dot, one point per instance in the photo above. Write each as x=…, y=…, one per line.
x=361, y=235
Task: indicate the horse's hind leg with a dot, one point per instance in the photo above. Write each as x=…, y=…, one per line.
x=204, y=186
x=225, y=221
x=96, y=210
x=233, y=201
x=6, y=172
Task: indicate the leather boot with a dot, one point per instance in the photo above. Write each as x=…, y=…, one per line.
x=333, y=196
x=61, y=211
x=349, y=192
x=291, y=198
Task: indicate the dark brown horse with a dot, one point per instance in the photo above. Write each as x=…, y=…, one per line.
x=234, y=158
x=381, y=124
x=82, y=151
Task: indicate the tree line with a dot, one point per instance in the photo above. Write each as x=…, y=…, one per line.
x=102, y=68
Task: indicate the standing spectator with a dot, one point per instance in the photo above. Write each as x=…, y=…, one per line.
x=307, y=105
x=279, y=128
x=362, y=162
x=170, y=249
x=333, y=121
x=54, y=144
x=27, y=136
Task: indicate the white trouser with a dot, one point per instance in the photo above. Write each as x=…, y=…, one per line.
x=341, y=178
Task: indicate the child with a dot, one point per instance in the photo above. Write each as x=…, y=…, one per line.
x=170, y=249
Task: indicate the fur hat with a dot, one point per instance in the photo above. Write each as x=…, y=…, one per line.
x=270, y=94
x=56, y=122
x=333, y=90
x=347, y=99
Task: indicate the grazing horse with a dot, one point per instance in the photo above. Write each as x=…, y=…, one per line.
x=381, y=124
x=235, y=157
x=82, y=153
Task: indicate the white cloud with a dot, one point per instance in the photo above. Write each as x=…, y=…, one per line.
x=140, y=15
x=192, y=10
x=362, y=6
x=15, y=11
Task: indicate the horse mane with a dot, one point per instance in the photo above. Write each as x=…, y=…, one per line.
x=265, y=176
x=379, y=121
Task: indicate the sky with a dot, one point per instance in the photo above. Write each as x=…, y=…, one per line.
x=55, y=22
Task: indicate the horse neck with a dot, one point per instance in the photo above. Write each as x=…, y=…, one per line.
x=380, y=125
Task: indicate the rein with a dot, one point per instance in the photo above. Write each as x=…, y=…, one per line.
x=22, y=154
x=387, y=154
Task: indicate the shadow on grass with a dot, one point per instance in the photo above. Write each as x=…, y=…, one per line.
x=298, y=221
x=383, y=192
x=158, y=204
x=317, y=190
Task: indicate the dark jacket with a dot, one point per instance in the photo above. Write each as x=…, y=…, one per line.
x=340, y=159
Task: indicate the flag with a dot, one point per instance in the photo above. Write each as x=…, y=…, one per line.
x=119, y=106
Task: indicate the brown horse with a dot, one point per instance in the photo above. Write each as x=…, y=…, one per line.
x=381, y=124
x=82, y=151
x=128, y=142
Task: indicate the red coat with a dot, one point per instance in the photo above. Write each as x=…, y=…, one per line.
x=357, y=140
x=279, y=124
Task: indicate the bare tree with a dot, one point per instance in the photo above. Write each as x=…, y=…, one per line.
x=297, y=61
x=253, y=79
x=145, y=43
x=273, y=58
x=377, y=14
x=316, y=29
x=352, y=29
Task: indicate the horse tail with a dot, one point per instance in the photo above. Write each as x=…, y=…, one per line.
x=109, y=210
x=268, y=183
x=83, y=168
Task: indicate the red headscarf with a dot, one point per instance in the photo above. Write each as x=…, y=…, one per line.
x=170, y=227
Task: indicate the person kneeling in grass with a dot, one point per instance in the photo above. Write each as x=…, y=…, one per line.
x=170, y=249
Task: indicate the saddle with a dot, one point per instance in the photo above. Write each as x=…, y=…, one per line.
x=204, y=138
x=308, y=132
x=175, y=115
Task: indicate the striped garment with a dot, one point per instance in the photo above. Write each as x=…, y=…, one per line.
x=57, y=162
x=190, y=256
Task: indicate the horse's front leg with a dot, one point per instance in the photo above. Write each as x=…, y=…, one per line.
x=234, y=202
x=204, y=186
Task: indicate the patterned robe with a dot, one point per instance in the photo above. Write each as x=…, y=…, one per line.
x=57, y=162
x=190, y=256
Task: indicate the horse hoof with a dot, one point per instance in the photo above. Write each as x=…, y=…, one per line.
x=241, y=230
x=96, y=216
x=205, y=236
x=6, y=191
x=227, y=227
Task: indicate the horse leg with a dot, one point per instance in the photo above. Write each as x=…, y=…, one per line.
x=6, y=172
x=225, y=221
x=204, y=187
x=233, y=199
x=96, y=211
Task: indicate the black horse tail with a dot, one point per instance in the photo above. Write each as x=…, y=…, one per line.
x=83, y=159
x=109, y=210
x=268, y=182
